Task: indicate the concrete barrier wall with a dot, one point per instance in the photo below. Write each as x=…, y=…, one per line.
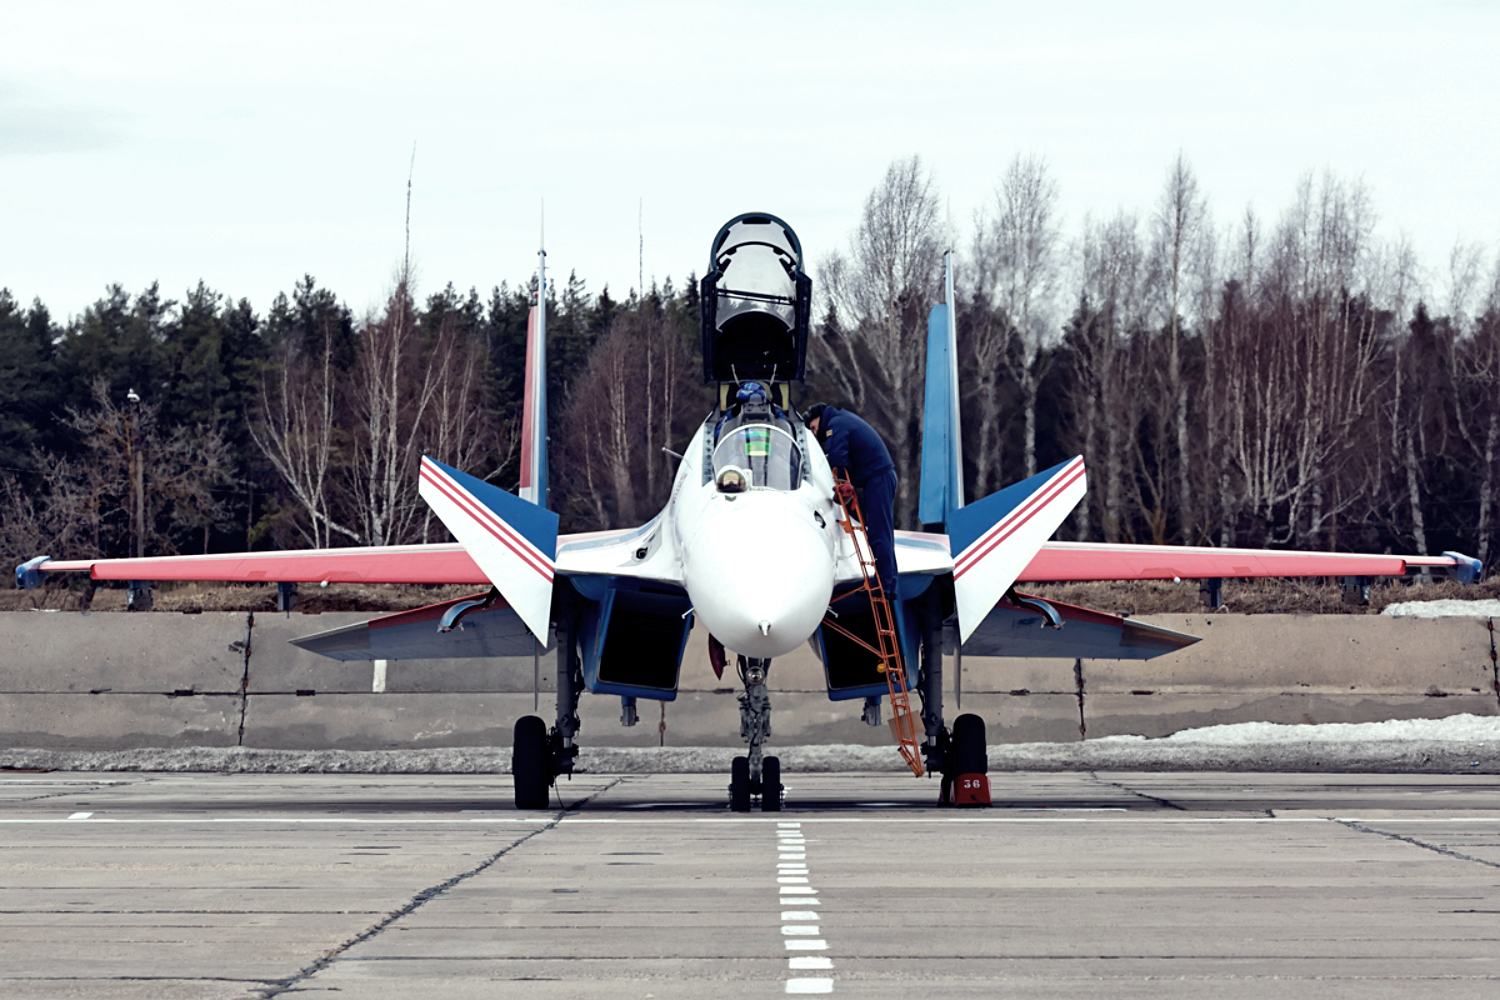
x=112, y=680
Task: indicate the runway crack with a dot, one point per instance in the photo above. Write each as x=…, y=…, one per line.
x=1168, y=803
x=1447, y=852
x=421, y=899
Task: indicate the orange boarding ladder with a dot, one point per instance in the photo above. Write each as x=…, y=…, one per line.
x=887, y=648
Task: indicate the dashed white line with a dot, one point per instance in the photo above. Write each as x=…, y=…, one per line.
x=80, y=815
x=800, y=927
x=806, y=963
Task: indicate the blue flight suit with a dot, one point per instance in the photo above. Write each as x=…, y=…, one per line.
x=854, y=446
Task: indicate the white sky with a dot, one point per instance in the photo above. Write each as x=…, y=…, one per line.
x=249, y=143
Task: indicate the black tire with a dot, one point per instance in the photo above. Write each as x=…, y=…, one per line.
x=739, y=785
x=770, y=785
x=967, y=752
x=529, y=764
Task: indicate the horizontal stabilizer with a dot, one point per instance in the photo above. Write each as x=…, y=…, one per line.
x=513, y=541
x=1013, y=629
x=484, y=630
x=995, y=539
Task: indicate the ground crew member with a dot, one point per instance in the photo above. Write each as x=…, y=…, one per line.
x=854, y=446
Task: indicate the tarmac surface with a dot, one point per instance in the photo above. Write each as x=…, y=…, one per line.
x=644, y=886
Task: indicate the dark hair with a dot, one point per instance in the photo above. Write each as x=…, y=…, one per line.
x=814, y=412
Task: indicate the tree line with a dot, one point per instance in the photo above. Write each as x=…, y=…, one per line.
x=1259, y=381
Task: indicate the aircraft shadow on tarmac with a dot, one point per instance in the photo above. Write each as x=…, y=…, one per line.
x=463, y=807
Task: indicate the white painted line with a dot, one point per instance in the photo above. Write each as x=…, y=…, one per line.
x=801, y=962
x=792, y=856
x=407, y=819
x=801, y=901
x=377, y=680
x=805, y=985
x=791, y=867
x=791, y=879
x=7, y=780
x=799, y=930
x=80, y=816
x=783, y=823
x=805, y=944
x=790, y=915
x=887, y=819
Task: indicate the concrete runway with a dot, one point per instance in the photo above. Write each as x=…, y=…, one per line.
x=1075, y=885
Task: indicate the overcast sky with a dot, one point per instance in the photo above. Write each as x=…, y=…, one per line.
x=249, y=143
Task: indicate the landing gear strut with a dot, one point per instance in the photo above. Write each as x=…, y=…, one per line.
x=755, y=774
x=539, y=757
x=960, y=757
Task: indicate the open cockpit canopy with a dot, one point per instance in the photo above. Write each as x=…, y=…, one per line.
x=756, y=302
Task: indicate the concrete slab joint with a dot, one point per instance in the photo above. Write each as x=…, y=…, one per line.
x=245, y=676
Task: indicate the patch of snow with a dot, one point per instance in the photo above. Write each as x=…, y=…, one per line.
x=1458, y=744
x=1446, y=608
x=1454, y=728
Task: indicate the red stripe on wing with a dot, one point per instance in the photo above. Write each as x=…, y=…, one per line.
x=1044, y=499
x=497, y=528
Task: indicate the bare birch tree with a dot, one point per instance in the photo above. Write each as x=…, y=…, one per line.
x=1178, y=235
x=880, y=293
x=296, y=433
x=1015, y=272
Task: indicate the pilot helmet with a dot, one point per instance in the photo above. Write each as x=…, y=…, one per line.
x=753, y=398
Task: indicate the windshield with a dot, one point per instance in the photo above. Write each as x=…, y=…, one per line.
x=757, y=456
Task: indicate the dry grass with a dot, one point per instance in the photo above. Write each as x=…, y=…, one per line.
x=1258, y=597
x=1138, y=598
x=193, y=597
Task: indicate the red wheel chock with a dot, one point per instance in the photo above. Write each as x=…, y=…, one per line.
x=971, y=790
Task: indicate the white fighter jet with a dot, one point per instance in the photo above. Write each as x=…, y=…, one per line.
x=753, y=545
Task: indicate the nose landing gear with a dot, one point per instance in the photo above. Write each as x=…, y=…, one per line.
x=753, y=774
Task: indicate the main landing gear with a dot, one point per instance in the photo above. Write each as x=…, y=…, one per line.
x=539, y=757
x=959, y=756
x=966, y=768
x=754, y=775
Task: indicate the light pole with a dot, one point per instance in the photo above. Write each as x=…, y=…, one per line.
x=138, y=598
x=137, y=476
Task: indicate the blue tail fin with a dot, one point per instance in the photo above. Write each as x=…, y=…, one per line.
x=942, y=441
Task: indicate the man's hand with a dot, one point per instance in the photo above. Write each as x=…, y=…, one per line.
x=844, y=491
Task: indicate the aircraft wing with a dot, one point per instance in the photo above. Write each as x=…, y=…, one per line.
x=923, y=553
x=437, y=563
x=1059, y=562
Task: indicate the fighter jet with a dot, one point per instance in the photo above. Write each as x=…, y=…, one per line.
x=756, y=547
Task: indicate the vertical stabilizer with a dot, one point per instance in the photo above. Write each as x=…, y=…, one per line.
x=942, y=489
x=533, y=485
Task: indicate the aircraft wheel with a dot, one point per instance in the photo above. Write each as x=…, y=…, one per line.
x=528, y=763
x=739, y=785
x=770, y=785
x=967, y=753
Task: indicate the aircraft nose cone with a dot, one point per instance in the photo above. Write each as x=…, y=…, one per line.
x=759, y=574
